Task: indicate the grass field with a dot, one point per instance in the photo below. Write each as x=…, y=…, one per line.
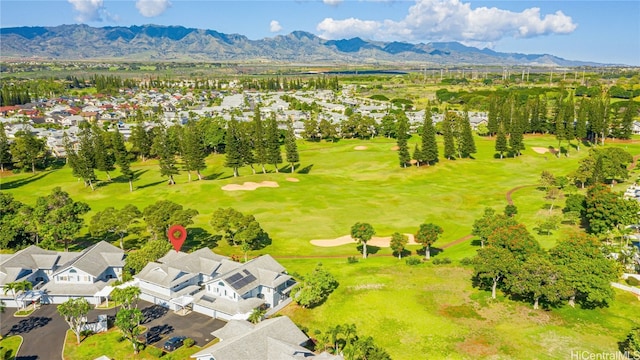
x=9, y=347
x=414, y=312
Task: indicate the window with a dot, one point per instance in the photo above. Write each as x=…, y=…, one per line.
x=72, y=271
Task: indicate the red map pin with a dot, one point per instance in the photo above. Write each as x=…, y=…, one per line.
x=177, y=234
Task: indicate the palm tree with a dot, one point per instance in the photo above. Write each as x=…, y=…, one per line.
x=256, y=315
x=16, y=287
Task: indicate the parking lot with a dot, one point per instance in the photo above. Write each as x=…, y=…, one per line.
x=162, y=323
x=44, y=330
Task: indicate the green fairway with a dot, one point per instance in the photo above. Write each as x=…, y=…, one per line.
x=337, y=187
x=424, y=311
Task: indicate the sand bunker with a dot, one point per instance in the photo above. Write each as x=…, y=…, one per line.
x=542, y=150
x=293, y=179
x=395, y=148
x=347, y=239
x=360, y=147
x=250, y=186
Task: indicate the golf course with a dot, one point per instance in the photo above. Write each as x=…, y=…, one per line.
x=413, y=312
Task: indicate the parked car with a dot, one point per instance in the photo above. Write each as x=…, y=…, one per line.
x=174, y=343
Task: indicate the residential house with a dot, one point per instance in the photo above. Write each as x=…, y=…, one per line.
x=85, y=274
x=62, y=275
x=272, y=339
x=214, y=285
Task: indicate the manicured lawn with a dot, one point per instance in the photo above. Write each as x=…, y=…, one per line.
x=9, y=347
x=113, y=345
x=428, y=311
x=340, y=187
x=424, y=311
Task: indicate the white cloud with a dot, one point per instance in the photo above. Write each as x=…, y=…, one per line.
x=451, y=20
x=152, y=8
x=274, y=26
x=88, y=10
x=348, y=28
x=332, y=2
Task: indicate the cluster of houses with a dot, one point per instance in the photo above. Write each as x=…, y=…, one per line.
x=200, y=281
x=51, y=118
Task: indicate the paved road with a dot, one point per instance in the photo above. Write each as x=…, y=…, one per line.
x=42, y=332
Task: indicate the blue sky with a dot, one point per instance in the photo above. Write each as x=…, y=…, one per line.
x=601, y=31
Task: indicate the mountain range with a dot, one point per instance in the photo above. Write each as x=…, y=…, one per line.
x=177, y=43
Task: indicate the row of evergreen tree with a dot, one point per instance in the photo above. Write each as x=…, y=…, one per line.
x=590, y=119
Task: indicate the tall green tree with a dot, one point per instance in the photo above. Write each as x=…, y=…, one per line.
x=141, y=142
x=239, y=229
x=103, y=153
x=128, y=321
x=163, y=146
x=466, y=143
x=402, y=137
x=290, y=147
x=27, y=151
x=427, y=235
x=122, y=158
x=429, y=144
x=16, y=287
x=484, y=226
x=117, y=222
x=501, y=142
x=127, y=297
x=631, y=344
x=538, y=279
x=274, y=156
x=587, y=272
x=163, y=214
x=362, y=233
x=581, y=122
x=233, y=150
x=193, y=151
x=259, y=139
x=74, y=312
x=448, y=132
x=491, y=266
x=5, y=155
x=60, y=217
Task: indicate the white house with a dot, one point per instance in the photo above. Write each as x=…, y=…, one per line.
x=214, y=285
x=62, y=275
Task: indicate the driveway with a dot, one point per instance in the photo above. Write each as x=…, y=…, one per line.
x=42, y=332
x=163, y=323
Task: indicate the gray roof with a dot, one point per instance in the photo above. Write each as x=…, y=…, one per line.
x=263, y=270
x=230, y=307
x=97, y=258
x=74, y=289
x=31, y=258
x=202, y=261
x=176, y=267
x=272, y=339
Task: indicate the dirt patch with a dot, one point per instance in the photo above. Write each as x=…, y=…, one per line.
x=360, y=147
x=395, y=148
x=293, y=179
x=347, y=239
x=478, y=346
x=250, y=186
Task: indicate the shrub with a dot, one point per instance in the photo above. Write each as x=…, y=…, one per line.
x=467, y=261
x=314, y=288
x=413, y=260
x=633, y=281
x=352, y=260
x=154, y=351
x=189, y=342
x=440, y=261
